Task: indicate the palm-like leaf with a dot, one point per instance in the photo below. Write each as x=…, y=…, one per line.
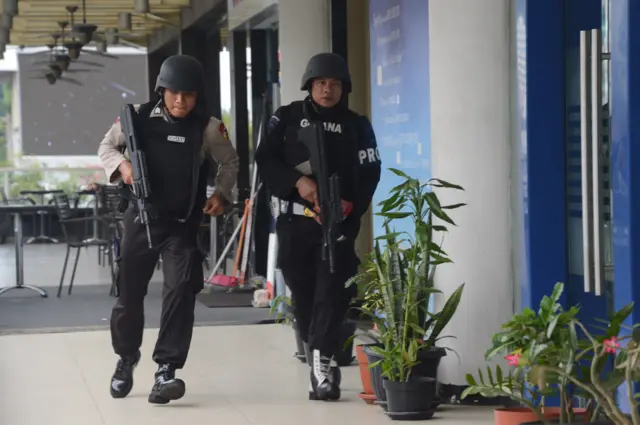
x=399, y=276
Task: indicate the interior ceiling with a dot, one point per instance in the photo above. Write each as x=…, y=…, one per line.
x=38, y=19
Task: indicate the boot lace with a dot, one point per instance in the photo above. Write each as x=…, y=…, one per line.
x=321, y=366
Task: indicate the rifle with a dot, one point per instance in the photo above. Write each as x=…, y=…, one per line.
x=140, y=191
x=329, y=197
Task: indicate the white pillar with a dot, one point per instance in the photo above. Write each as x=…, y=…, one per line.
x=471, y=146
x=304, y=30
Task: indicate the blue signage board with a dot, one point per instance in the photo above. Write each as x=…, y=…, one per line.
x=400, y=110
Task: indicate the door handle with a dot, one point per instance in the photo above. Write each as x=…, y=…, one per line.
x=596, y=160
x=591, y=160
x=585, y=161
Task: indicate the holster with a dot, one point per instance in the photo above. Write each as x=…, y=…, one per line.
x=125, y=197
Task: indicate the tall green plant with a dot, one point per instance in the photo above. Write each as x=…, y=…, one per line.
x=399, y=276
x=282, y=310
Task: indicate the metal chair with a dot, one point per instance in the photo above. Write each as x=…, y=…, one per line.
x=69, y=217
x=109, y=198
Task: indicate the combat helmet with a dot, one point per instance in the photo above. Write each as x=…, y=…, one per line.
x=327, y=65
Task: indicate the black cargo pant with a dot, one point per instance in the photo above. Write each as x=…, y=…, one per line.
x=320, y=298
x=183, y=279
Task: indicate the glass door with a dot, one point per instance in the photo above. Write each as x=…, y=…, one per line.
x=589, y=207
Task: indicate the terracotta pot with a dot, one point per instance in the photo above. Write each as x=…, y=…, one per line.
x=367, y=398
x=365, y=375
x=522, y=415
x=580, y=414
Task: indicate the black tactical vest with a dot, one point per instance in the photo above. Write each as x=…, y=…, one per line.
x=176, y=170
x=341, y=144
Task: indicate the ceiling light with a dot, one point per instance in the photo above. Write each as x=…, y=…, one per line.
x=5, y=36
x=85, y=32
x=101, y=46
x=10, y=7
x=6, y=21
x=124, y=21
x=73, y=50
x=141, y=6
x=111, y=34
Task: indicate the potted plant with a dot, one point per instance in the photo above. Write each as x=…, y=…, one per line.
x=398, y=285
x=367, y=395
x=600, y=386
x=537, y=346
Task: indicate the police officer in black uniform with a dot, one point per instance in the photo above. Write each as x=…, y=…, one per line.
x=320, y=297
x=179, y=141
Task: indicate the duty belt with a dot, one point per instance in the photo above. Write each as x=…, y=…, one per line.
x=279, y=206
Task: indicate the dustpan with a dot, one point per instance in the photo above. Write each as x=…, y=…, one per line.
x=224, y=280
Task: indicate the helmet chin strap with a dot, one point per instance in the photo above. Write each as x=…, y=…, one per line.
x=164, y=110
x=322, y=109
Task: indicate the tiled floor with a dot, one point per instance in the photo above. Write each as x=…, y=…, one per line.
x=236, y=375
x=43, y=266
x=89, y=306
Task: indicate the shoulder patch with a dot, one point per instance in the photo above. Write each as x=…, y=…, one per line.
x=273, y=122
x=223, y=130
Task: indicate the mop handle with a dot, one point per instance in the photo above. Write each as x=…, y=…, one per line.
x=230, y=243
x=226, y=249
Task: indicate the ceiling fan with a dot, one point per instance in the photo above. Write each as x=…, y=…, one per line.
x=58, y=64
x=57, y=53
x=85, y=34
x=51, y=78
x=60, y=56
x=80, y=35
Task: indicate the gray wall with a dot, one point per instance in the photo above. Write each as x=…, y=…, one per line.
x=471, y=145
x=70, y=119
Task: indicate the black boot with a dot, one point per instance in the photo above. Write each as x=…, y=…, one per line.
x=166, y=387
x=325, y=380
x=122, y=379
x=335, y=376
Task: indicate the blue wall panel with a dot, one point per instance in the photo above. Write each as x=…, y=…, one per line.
x=540, y=91
x=400, y=107
x=625, y=124
x=579, y=15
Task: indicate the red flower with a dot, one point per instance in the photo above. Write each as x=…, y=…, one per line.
x=611, y=345
x=513, y=359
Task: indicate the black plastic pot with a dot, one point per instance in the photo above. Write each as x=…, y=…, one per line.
x=428, y=367
x=411, y=399
x=376, y=375
x=429, y=362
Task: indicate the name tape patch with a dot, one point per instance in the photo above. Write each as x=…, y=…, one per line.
x=369, y=156
x=177, y=139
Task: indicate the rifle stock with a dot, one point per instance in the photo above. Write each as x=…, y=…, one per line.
x=329, y=196
x=140, y=189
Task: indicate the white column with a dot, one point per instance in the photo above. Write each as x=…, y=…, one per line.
x=304, y=30
x=471, y=146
